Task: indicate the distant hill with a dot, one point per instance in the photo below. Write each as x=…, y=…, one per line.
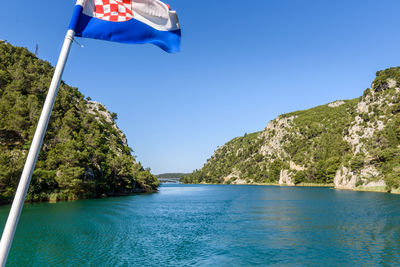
x=353, y=144
x=172, y=175
x=84, y=155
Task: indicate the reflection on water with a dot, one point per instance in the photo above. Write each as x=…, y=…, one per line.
x=213, y=225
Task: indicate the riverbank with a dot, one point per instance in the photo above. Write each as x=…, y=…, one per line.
x=277, y=184
x=55, y=198
x=376, y=189
x=299, y=185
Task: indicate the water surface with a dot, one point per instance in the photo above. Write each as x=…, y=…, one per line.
x=212, y=225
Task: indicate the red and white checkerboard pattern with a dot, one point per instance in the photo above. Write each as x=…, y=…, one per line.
x=113, y=10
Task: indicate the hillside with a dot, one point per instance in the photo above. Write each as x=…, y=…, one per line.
x=85, y=154
x=353, y=144
x=172, y=175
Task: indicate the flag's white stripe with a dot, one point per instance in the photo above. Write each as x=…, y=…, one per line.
x=154, y=13
x=158, y=23
x=80, y=2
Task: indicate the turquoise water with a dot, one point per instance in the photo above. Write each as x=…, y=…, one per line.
x=213, y=225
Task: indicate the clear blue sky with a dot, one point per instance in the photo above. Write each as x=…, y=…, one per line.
x=242, y=64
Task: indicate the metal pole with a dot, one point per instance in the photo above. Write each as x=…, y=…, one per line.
x=19, y=199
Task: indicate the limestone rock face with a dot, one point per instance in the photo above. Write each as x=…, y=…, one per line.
x=389, y=83
x=336, y=104
x=274, y=134
x=285, y=178
x=351, y=143
x=367, y=177
x=98, y=109
x=345, y=179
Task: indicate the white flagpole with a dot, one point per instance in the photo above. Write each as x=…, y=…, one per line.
x=19, y=199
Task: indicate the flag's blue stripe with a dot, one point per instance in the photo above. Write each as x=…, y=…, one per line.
x=131, y=31
x=75, y=17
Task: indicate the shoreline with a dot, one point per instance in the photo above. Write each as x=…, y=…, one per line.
x=276, y=184
x=376, y=189
x=52, y=201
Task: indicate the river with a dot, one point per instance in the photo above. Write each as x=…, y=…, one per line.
x=212, y=225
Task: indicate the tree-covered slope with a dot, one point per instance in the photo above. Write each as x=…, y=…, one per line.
x=84, y=154
x=351, y=143
x=177, y=175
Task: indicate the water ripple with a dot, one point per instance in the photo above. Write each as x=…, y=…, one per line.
x=207, y=225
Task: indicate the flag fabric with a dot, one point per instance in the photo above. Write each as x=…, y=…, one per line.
x=128, y=21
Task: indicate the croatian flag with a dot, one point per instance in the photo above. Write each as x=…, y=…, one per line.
x=128, y=21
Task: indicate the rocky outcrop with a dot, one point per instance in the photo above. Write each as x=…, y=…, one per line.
x=336, y=104
x=285, y=178
x=354, y=144
x=368, y=177
x=274, y=135
x=98, y=109
x=371, y=117
x=232, y=177
x=345, y=179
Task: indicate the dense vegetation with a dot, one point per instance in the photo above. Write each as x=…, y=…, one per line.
x=315, y=134
x=84, y=154
x=172, y=175
x=357, y=139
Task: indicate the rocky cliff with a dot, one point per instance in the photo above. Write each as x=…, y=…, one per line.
x=353, y=144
